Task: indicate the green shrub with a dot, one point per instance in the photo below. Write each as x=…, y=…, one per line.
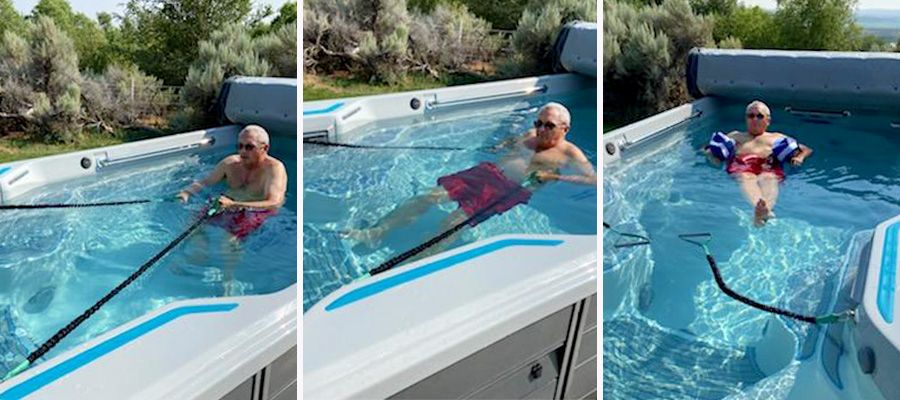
x=532, y=42
x=228, y=52
x=279, y=49
x=380, y=41
x=39, y=82
x=645, y=52
x=753, y=26
x=123, y=96
x=447, y=38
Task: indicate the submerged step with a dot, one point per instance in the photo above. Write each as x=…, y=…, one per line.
x=643, y=360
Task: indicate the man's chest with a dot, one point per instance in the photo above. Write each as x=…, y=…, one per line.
x=551, y=157
x=756, y=145
x=240, y=178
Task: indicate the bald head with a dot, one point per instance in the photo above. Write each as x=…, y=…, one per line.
x=255, y=133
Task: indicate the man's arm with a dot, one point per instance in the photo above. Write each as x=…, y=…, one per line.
x=215, y=177
x=587, y=175
x=510, y=141
x=711, y=158
x=275, y=191
x=801, y=155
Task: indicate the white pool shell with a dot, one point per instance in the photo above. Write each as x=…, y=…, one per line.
x=817, y=86
x=234, y=348
x=466, y=322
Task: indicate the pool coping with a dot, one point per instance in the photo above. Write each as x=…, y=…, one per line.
x=240, y=335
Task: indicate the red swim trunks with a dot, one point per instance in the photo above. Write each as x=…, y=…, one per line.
x=484, y=187
x=241, y=223
x=754, y=164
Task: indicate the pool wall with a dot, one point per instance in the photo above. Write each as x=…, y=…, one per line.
x=270, y=102
x=810, y=81
x=576, y=48
x=334, y=119
x=238, y=348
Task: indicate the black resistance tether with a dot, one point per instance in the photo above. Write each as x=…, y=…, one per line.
x=703, y=239
x=74, y=205
x=476, y=216
x=388, y=147
x=62, y=333
x=638, y=240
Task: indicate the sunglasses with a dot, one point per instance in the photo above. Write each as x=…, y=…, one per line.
x=245, y=146
x=756, y=116
x=549, y=125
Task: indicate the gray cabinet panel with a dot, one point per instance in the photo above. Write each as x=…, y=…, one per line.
x=590, y=319
x=289, y=393
x=487, y=365
x=587, y=347
x=244, y=391
x=583, y=380
x=530, y=378
x=283, y=371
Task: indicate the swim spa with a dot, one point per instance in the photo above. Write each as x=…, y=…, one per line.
x=669, y=332
x=503, y=312
x=171, y=333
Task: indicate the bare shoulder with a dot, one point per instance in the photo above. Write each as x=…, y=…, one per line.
x=574, y=151
x=230, y=160
x=276, y=166
x=734, y=134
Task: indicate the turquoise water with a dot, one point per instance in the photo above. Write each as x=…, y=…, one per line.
x=678, y=336
x=354, y=188
x=55, y=263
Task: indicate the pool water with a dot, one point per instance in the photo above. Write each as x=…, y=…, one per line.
x=55, y=263
x=354, y=188
x=678, y=336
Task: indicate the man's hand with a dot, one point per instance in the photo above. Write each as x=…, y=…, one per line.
x=797, y=161
x=183, y=196
x=546, y=176
x=709, y=156
x=226, y=202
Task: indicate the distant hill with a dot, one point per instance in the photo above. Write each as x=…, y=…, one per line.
x=882, y=23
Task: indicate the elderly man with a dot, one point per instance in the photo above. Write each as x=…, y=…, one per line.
x=257, y=183
x=488, y=189
x=757, y=160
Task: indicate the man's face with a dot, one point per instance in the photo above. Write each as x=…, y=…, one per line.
x=251, y=150
x=757, y=121
x=550, y=128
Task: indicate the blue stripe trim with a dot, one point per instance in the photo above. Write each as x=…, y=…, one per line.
x=428, y=269
x=4, y=170
x=888, y=275
x=47, y=377
x=326, y=110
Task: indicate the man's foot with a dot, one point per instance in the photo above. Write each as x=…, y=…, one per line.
x=761, y=213
x=370, y=237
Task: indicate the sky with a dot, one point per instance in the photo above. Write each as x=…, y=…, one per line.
x=92, y=7
x=863, y=4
